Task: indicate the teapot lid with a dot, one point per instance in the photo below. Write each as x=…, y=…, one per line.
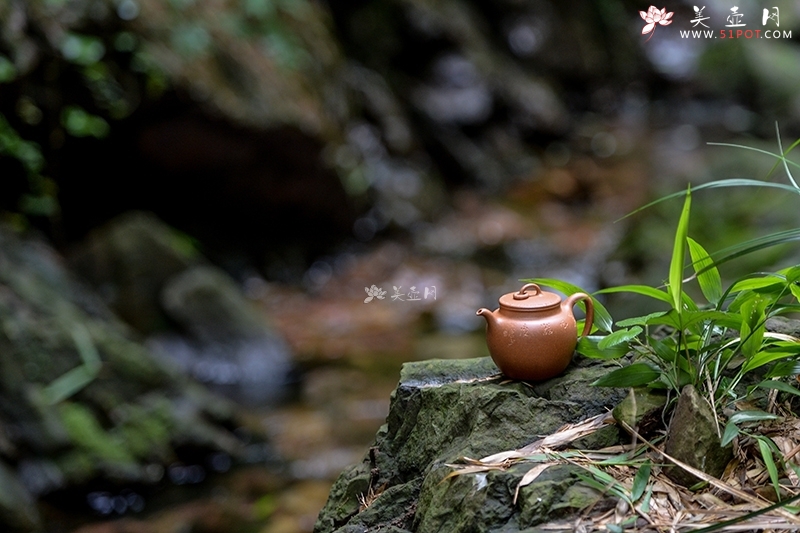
x=530, y=297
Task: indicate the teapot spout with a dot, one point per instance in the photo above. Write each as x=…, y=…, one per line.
x=488, y=315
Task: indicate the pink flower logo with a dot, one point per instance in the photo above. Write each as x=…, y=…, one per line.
x=653, y=16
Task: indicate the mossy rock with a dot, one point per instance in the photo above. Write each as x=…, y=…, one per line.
x=444, y=410
x=89, y=402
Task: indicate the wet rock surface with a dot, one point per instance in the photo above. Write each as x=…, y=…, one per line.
x=444, y=410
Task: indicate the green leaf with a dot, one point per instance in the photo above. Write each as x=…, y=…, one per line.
x=644, y=290
x=792, y=273
x=640, y=481
x=642, y=320
x=753, y=245
x=752, y=328
x=769, y=462
x=679, y=255
x=778, y=385
x=750, y=283
x=786, y=368
x=619, y=337
x=722, y=183
x=707, y=274
x=602, y=318
x=795, y=291
x=740, y=417
x=720, y=318
x=766, y=356
x=731, y=430
x=634, y=375
x=587, y=346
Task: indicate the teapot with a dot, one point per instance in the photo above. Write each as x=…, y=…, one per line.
x=533, y=334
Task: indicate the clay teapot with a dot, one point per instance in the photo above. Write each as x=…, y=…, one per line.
x=533, y=334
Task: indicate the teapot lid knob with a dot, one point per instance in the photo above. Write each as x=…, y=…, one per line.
x=529, y=298
x=523, y=294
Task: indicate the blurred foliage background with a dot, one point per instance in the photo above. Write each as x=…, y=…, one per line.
x=223, y=178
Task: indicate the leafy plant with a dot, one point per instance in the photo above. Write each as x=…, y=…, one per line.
x=716, y=342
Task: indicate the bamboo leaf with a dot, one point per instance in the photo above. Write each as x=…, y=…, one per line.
x=778, y=385
x=750, y=283
x=795, y=291
x=679, y=255
x=644, y=290
x=751, y=416
x=753, y=245
x=642, y=320
x=766, y=356
x=707, y=274
x=640, y=481
x=634, y=375
x=753, y=325
x=769, y=462
x=621, y=336
x=588, y=347
x=529, y=477
x=731, y=430
x=735, y=182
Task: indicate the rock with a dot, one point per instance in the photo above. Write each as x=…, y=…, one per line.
x=642, y=409
x=129, y=260
x=693, y=439
x=18, y=511
x=443, y=410
x=229, y=343
x=153, y=277
x=83, y=402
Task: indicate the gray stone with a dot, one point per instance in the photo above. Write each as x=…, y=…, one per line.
x=642, y=409
x=693, y=439
x=129, y=260
x=205, y=301
x=443, y=410
x=228, y=344
x=63, y=424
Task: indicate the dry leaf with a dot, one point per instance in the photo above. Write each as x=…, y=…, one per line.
x=530, y=476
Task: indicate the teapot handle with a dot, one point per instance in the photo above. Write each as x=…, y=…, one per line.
x=575, y=298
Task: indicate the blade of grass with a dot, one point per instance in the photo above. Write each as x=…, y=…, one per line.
x=783, y=156
x=731, y=182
